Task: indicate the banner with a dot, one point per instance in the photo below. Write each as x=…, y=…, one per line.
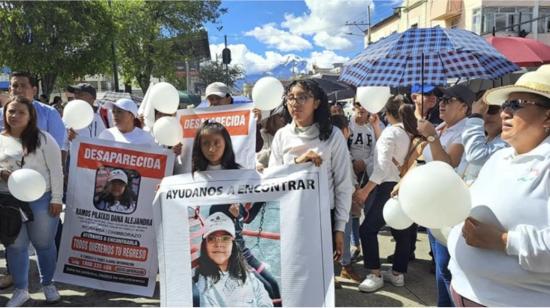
x=277, y=224
x=237, y=119
x=108, y=240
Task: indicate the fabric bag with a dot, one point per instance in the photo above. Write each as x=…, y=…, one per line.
x=11, y=217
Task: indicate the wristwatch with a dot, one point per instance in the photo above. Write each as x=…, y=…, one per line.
x=431, y=139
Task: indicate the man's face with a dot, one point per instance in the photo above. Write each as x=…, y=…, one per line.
x=21, y=86
x=215, y=100
x=430, y=100
x=85, y=96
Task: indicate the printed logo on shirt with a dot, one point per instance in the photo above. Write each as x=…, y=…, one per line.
x=236, y=122
x=360, y=139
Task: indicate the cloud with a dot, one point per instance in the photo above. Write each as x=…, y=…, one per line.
x=326, y=22
x=325, y=59
x=279, y=39
x=252, y=62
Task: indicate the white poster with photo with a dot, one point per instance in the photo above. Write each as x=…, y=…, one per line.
x=240, y=238
x=108, y=240
x=237, y=119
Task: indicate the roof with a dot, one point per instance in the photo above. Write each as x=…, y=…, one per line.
x=386, y=20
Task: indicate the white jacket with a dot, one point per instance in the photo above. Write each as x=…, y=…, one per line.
x=511, y=191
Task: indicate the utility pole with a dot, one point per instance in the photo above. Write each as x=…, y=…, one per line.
x=115, y=66
x=227, y=64
x=368, y=29
x=535, y=24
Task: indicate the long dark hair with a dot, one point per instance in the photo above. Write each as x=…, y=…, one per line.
x=127, y=198
x=399, y=107
x=199, y=161
x=236, y=266
x=321, y=116
x=31, y=136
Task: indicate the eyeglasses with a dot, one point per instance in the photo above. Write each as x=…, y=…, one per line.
x=493, y=109
x=517, y=104
x=224, y=239
x=301, y=99
x=447, y=100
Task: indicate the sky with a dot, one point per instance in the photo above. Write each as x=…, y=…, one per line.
x=264, y=34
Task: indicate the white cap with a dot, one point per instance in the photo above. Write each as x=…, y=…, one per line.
x=219, y=222
x=124, y=104
x=217, y=88
x=117, y=174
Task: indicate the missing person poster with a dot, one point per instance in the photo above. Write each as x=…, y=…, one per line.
x=108, y=240
x=237, y=119
x=240, y=238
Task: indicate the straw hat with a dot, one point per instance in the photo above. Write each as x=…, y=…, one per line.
x=537, y=82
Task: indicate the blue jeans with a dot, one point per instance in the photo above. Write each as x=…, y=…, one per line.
x=41, y=232
x=346, y=258
x=355, y=240
x=442, y=273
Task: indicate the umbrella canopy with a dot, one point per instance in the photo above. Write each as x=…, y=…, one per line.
x=426, y=56
x=114, y=96
x=329, y=85
x=522, y=51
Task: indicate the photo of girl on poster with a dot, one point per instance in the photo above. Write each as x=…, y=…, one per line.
x=116, y=196
x=222, y=277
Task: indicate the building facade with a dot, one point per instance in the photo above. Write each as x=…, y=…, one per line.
x=529, y=18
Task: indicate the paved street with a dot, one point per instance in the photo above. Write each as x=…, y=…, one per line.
x=419, y=287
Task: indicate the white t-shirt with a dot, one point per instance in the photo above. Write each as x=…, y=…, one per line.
x=452, y=135
x=362, y=142
x=137, y=136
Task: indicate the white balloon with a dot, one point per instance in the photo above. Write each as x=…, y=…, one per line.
x=435, y=196
x=373, y=98
x=267, y=93
x=26, y=185
x=165, y=97
x=394, y=215
x=78, y=114
x=167, y=131
x=441, y=235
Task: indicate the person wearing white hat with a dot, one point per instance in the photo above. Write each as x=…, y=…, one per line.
x=125, y=130
x=500, y=255
x=218, y=93
x=222, y=278
x=116, y=195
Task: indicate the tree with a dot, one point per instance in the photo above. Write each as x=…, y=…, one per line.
x=67, y=39
x=213, y=71
x=146, y=31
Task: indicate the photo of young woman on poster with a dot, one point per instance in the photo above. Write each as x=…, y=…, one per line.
x=116, y=196
x=222, y=277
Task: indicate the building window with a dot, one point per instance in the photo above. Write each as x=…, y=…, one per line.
x=476, y=21
x=544, y=22
x=506, y=19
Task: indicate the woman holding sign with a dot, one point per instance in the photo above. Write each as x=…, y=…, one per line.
x=222, y=277
x=22, y=144
x=310, y=137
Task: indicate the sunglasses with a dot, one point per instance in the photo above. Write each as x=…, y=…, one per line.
x=222, y=239
x=447, y=100
x=517, y=104
x=493, y=109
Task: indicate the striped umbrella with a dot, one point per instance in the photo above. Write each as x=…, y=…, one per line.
x=426, y=56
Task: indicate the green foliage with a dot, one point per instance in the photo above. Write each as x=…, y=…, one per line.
x=215, y=71
x=146, y=30
x=67, y=39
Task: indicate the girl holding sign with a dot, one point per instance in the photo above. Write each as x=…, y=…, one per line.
x=213, y=150
x=310, y=137
x=222, y=277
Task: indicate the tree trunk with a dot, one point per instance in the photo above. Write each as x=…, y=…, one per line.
x=144, y=81
x=47, y=82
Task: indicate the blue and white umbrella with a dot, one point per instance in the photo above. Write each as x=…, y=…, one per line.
x=426, y=56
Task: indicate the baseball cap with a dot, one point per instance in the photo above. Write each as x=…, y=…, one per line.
x=117, y=174
x=219, y=222
x=217, y=88
x=462, y=92
x=124, y=104
x=427, y=88
x=83, y=87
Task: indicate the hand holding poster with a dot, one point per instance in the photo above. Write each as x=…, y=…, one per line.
x=239, y=238
x=108, y=240
x=237, y=119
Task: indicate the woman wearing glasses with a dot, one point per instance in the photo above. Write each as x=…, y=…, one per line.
x=445, y=144
x=310, y=137
x=500, y=256
x=222, y=278
x=23, y=145
x=481, y=137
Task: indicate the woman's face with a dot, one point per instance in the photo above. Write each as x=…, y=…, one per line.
x=526, y=124
x=492, y=120
x=117, y=188
x=301, y=105
x=17, y=115
x=123, y=119
x=452, y=110
x=212, y=147
x=219, y=246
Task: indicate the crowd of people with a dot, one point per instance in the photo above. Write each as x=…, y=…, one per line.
x=497, y=140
